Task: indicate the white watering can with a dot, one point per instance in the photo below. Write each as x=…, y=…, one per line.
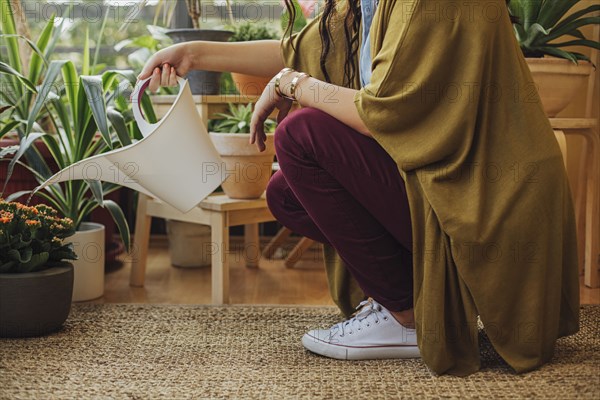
x=176, y=161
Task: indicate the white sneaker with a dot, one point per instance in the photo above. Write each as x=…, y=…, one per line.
x=373, y=333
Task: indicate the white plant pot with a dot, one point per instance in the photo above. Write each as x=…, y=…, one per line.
x=88, y=243
x=189, y=244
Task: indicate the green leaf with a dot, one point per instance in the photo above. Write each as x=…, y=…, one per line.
x=63, y=253
x=553, y=10
x=7, y=26
x=53, y=70
x=533, y=33
x=54, y=148
x=118, y=123
x=16, y=195
x=572, y=26
x=85, y=68
x=35, y=263
x=23, y=146
x=93, y=88
x=100, y=35
x=586, y=43
x=96, y=188
x=559, y=53
x=531, y=9
x=20, y=257
x=38, y=60
x=9, y=127
x=71, y=82
x=7, y=69
x=119, y=218
x=577, y=15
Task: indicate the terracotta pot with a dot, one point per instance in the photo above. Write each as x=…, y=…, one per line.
x=88, y=243
x=249, y=85
x=558, y=81
x=248, y=170
x=35, y=303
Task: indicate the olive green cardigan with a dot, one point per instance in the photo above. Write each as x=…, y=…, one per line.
x=452, y=100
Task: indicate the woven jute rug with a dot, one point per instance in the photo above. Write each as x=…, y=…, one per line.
x=254, y=352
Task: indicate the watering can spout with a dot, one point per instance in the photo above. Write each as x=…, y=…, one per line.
x=176, y=161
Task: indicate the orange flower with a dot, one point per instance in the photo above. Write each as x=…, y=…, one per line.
x=32, y=222
x=6, y=217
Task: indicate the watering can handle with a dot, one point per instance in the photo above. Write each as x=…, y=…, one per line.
x=138, y=91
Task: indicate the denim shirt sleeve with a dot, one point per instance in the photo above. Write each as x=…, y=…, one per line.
x=368, y=8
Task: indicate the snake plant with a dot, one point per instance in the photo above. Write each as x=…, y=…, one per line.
x=543, y=28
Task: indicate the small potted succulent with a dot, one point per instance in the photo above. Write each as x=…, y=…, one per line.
x=248, y=169
x=36, y=283
x=546, y=30
x=251, y=85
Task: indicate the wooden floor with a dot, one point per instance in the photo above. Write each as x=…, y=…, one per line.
x=272, y=283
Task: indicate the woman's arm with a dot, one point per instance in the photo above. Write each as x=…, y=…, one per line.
x=261, y=58
x=337, y=101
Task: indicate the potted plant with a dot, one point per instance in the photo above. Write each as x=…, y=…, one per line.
x=201, y=82
x=84, y=115
x=251, y=85
x=189, y=244
x=248, y=169
x=543, y=29
x=36, y=284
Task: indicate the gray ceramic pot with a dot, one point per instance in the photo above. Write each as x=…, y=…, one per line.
x=36, y=303
x=201, y=82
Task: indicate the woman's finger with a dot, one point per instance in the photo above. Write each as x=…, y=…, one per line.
x=155, y=80
x=284, y=110
x=166, y=71
x=257, y=131
x=260, y=136
x=253, y=125
x=173, y=77
x=147, y=70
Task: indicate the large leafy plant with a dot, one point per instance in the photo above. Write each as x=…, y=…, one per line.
x=539, y=23
x=74, y=115
x=32, y=238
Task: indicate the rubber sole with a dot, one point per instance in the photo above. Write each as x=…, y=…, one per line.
x=359, y=353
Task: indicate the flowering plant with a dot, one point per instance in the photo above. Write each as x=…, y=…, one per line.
x=31, y=238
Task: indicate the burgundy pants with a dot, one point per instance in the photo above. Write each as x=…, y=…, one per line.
x=339, y=187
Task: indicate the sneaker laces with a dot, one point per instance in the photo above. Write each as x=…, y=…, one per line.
x=370, y=312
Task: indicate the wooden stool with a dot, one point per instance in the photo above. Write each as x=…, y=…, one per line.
x=217, y=211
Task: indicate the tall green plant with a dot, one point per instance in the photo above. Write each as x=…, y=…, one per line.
x=73, y=108
x=541, y=22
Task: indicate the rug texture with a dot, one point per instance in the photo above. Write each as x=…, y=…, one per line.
x=134, y=351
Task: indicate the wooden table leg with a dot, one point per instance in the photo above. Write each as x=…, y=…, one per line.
x=141, y=241
x=592, y=226
x=220, y=263
x=297, y=252
x=251, y=245
x=276, y=242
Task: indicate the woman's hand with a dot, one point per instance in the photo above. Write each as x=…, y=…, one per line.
x=269, y=101
x=165, y=65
